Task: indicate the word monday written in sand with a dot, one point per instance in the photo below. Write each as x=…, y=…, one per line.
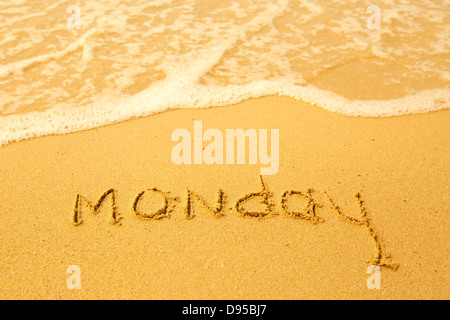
x=308, y=213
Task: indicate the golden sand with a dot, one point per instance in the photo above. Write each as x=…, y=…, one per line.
x=215, y=239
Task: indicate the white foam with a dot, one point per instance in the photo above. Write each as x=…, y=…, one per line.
x=209, y=58
x=170, y=95
x=11, y=68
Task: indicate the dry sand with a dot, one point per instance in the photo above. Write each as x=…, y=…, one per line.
x=399, y=165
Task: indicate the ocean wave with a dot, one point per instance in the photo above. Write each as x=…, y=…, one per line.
x=135, y=58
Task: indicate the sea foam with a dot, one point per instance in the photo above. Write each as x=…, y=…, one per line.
x=128, y=61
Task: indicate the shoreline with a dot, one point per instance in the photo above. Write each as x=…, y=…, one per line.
x=332, y=97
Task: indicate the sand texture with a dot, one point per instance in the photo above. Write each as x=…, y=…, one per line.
x=301, y=245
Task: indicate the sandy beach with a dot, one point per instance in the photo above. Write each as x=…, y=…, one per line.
x=399, y=166
x=186, y=149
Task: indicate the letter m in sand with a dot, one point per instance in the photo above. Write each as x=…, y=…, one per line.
x=95, y=208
